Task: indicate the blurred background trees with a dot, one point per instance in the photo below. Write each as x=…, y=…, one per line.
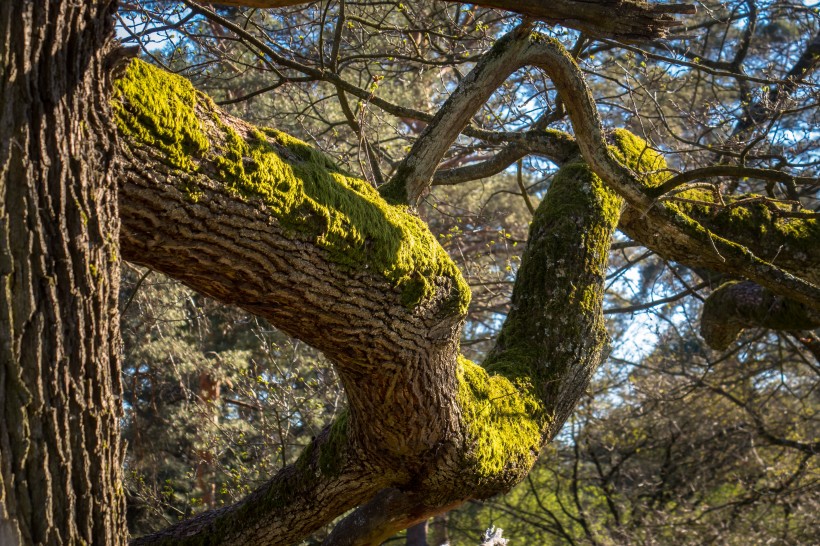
x=676, y=443
x=216, y=400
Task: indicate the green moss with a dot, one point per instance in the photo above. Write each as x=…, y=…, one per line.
x=157, y=109
x=574, y=223
x=635, y=153
x=555, y=326
x=595, y=200
x=752, y=221
x=395, y=191
x=755, y=221
x=747, y=223
x=502, y=419
x=302, y=187
x=331, y=454
x=540, y=38
x=562, y=273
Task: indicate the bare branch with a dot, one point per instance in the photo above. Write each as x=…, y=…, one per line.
x=628, y=20
x=735, y=171
x=682, y=234
x=760, y=112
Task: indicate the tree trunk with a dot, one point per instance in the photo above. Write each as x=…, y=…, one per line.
x=60, y=456
x=254, y=217
x=417, y=535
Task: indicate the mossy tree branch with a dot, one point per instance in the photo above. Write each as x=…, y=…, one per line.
x=260, y=220
x=255, y=218
x=729, y=242
x=554, y=335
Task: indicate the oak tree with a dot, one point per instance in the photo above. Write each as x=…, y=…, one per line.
x=105, y=158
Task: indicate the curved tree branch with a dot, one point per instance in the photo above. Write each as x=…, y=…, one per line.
x=304, y=245
x=736, y=171
x=689, y=234
x=261, y=220
x=483, y=169
x=328, y=479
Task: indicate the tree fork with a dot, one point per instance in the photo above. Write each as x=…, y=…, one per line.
x=255, y=218
x=725, y=242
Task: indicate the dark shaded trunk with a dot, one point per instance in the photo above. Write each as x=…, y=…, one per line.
x=60, y=457
x=417, y=535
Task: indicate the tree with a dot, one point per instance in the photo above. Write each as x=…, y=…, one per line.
x=255, y=217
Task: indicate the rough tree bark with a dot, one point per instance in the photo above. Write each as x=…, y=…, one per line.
x=60, y=455
x=256, y=218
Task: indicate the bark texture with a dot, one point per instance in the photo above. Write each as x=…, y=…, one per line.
x=60, y=455
x=691, y=228
x=258, y=219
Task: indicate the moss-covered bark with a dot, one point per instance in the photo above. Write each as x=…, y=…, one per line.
x=257, y=218
x=314, y=233
x=765, y=230
x=303, y=189
x=554, y=335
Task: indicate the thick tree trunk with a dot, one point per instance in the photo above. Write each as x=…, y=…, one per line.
x=60, y=456
x=256, y=218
